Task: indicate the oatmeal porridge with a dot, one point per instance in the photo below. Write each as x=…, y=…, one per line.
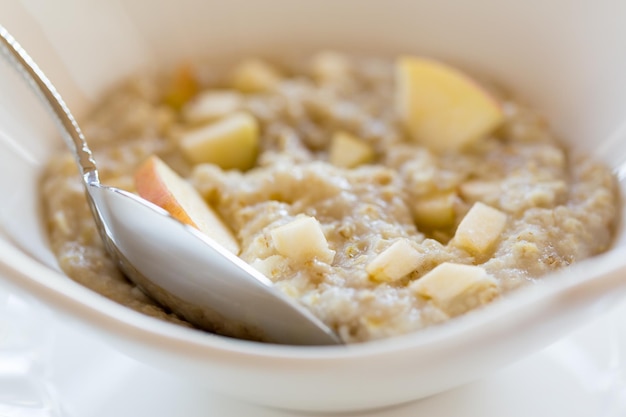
x=383, y=196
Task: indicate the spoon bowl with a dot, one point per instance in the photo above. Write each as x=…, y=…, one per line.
x=181, y=268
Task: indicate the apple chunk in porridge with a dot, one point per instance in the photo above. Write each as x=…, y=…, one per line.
x=384, y=196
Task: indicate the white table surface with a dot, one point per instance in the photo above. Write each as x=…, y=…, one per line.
x=48, y=368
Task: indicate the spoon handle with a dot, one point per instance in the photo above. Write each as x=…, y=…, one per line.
x=42, y=86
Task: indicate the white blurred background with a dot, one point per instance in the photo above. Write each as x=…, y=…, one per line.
x=49, y=368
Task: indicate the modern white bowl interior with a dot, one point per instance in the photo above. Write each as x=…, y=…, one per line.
x=564, y=58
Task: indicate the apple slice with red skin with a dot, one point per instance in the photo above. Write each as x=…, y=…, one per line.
x=158, y=183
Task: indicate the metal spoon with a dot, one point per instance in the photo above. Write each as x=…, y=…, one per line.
x=175, y=264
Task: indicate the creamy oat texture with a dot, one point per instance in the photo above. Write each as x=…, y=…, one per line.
x=560, y=207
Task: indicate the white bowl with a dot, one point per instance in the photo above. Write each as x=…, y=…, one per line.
x=564, y=58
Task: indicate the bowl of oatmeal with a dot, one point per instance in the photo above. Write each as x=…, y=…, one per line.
x=442, y=204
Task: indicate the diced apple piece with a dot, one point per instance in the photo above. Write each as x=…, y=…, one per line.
x=435, y=212
x=212, y=105
x=456, y=288
x=478, y=190
x=254, y=75
x=441, y=107
x=158, y=183
x=480, y=229
x=329, y=66
x=231, y=143
x=348, y=151
x=272, y=266
x=183, y=86
x=395, y=262
x=302, y=240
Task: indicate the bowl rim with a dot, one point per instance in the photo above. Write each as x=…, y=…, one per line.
x=590, y=277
